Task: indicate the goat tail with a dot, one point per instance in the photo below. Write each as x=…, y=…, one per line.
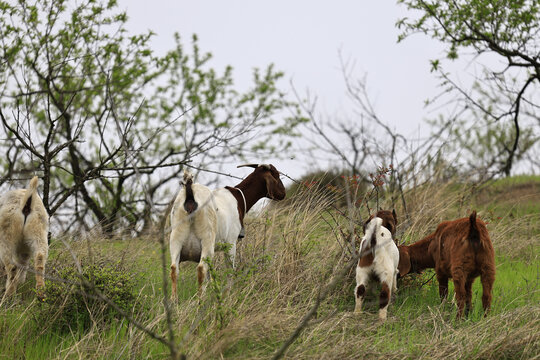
x=26, y=201
x=474, y=233
x=188, y=176
x=190, y=205
x=369, y=241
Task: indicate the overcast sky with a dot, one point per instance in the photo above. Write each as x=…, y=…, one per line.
x=303, y=38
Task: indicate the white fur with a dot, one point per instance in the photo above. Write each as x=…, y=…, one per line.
x=385, y=262
x=23, y=238
x=216, y=220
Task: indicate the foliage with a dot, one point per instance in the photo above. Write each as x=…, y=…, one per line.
x=332, y=185
x=481, y=145
x=507, y=27
x=109, y=122
x=502, y=103
x=72, y=301
x=342, y=190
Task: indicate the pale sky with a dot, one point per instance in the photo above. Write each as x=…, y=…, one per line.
x=303, y=39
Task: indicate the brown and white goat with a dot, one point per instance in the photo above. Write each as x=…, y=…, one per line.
x=24, y=225
x=460, y=250
x=379, y=259
x=389, y=220
x=201, y=217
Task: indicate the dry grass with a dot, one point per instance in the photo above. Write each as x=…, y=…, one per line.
x=289, y=253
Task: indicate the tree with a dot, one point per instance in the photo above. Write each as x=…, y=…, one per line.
x=108, y=122
x=503, y=102
x=355, y=142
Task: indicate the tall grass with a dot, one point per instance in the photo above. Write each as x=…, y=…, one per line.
x=289, y=253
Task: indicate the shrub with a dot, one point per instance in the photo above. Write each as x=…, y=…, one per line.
x=330, y=185
x=72, y=299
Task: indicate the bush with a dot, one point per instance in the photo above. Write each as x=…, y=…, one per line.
x=331, y=186
x=73, y=302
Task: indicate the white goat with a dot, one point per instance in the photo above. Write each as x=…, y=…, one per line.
x=379, y=258
x=24, y=225
x=200, y=217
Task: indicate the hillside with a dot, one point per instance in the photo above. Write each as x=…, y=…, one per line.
x=288, y=256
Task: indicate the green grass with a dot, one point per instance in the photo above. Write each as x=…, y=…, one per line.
x=516, y=287
x=506, y=182
x=288, y=256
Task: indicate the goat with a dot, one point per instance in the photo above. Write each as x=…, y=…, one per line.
x=381, y=262
x=460, y=250
x=389, y=220
x=200, y=217
x=24, y=226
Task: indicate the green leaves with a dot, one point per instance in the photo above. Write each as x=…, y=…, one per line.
x=72, y=298
x=512, y=25
x=113, y=120
x=503, y=97
x=434, y=65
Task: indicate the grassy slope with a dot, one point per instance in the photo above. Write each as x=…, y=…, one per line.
x=286, y=258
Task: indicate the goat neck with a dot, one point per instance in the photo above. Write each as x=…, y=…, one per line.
x=418, y=253
x=251, y=195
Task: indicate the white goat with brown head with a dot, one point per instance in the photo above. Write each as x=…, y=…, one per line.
x=200, y=217
x=24, y=226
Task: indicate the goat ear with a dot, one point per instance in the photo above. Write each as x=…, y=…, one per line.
x=274, y=188
x=270, y=185
x=366, y=222
x=404, y=265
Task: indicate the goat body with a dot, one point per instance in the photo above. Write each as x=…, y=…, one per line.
x=24, y=226
x=379, y=259
x=201, y=217
x=460, y=250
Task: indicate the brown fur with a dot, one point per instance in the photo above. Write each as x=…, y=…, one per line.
x=361, y=291
x=173, y=279
x=190, y=205
x=200, y=275
x=366, y=260
x=389, y=219
x=460, y=250
x=253, y=189
x=384, y=297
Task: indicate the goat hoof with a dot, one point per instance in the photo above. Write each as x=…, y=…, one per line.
x=242, y=233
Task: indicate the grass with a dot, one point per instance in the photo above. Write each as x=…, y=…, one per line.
x=289, y=254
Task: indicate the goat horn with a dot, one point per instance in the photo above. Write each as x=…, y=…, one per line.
x=248, y=165
x=266, y=166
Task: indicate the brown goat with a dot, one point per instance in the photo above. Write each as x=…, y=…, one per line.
x=460, y=250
